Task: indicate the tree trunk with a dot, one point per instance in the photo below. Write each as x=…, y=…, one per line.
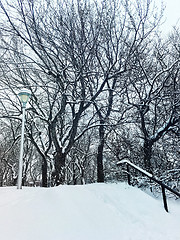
x=147, y=155
x=1, y=177
x=74, y=178
x=44, y=173
x=100, y=168
x=59, y=160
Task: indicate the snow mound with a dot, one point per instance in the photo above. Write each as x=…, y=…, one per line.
x=88, y=212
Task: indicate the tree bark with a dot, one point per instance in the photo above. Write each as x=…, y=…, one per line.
x=148, y=154
x=44, y=173
x=100, y=168
x=59, y=175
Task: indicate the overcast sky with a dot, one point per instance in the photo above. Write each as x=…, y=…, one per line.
x=171, y=14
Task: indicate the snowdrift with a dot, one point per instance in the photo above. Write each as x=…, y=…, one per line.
x=88, y=212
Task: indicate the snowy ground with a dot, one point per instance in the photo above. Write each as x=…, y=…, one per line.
x=89, y=212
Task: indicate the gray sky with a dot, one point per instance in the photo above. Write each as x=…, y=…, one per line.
x=171, y=14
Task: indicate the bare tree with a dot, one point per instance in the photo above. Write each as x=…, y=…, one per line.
x=70, y=55
x=152, y=90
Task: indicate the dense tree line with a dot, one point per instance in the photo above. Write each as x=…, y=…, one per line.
x=104, y=87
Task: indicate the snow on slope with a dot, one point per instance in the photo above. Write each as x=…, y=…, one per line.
x=88, y=212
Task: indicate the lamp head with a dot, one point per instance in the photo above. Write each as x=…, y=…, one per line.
x=24, y=96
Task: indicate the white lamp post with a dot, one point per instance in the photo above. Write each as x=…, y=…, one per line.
x=24, y=97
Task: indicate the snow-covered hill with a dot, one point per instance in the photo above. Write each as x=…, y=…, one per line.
x=89, y=212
